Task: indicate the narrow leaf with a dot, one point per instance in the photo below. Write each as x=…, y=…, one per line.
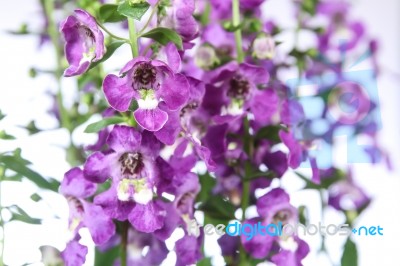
x=5, y=136
x=164, y=36
x=19, y=167
x=19, y=214
x=97, y=126
x=349, y=257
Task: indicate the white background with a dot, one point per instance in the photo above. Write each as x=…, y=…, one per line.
x=24, y=99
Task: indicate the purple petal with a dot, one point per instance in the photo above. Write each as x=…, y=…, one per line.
x=100, y=226
x=74, y=184
x=291, y=112
x=170, y=55
x=147, y=218
x=74, y=254
x=276, y=162
x=114, y=208
x=264, y=105
x=96, y=168
x=258, y=246
x=256, y=74
x=151, y=120
x=124, y=139
x=132, y=63
x=295, y=149
x=188, y=250
x=169, y=132
x=118, y=92
x=274, y=200
x=315, y=171
x=175, y=91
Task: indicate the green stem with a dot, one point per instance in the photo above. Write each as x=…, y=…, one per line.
x=153, y=12
x=110, y=33
x=54, y=36
x=238, y=32
x=2, y=172
x=249, y=148
x=124, y=242
x=133, y=37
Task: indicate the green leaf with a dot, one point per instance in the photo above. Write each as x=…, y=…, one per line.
x=97, y=126
x=207, y=182
x=106, y=258
x=309, y=6
x=36, y=197
x=31, y=127
x=133, y=8
x=164, y=36
x=218, y=208
x=5, y=136
x=109, y=13
x=270, y=133
x=110, y=49
x=204, y=262
x=349, y=257
x=18, y=214
x=2, y=115
x=19, y=166
x=309, y=183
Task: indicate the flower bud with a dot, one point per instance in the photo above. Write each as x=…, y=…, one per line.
x=206, y=57
x=263, y=47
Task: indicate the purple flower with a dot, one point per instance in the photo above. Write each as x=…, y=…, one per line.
x=293, y=251
x=273, y=207
x=82, y=213
x=131, y=165
x=188, y=250
x=84, y=42
x=295, y=156
x=74, y=253
x=137, y=241
x=240, y=92
x=149, y=82
x=180, y=17
x=346, y=195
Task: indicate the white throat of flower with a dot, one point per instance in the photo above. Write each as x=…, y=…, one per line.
x=134, y=189
x=147, y=99
x=89, y=55
x=288, y=244
x=234, y=108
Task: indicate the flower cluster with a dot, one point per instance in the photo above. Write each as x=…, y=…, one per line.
x=205, y=120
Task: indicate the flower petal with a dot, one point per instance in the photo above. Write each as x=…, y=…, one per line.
x=100, y=226
x=118, y=92
x=74, y=254
x=175, y=91
x=264, y=105
x=114, y=208
x=124, y=138
x=151, y=119
x=147, y=218
x=96, y=168
x=74, y=184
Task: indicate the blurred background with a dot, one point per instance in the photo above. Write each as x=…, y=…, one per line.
x=24, y=99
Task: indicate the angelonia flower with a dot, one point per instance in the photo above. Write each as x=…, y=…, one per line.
x=84, y=42
x=199, y=124
x=148, y=82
